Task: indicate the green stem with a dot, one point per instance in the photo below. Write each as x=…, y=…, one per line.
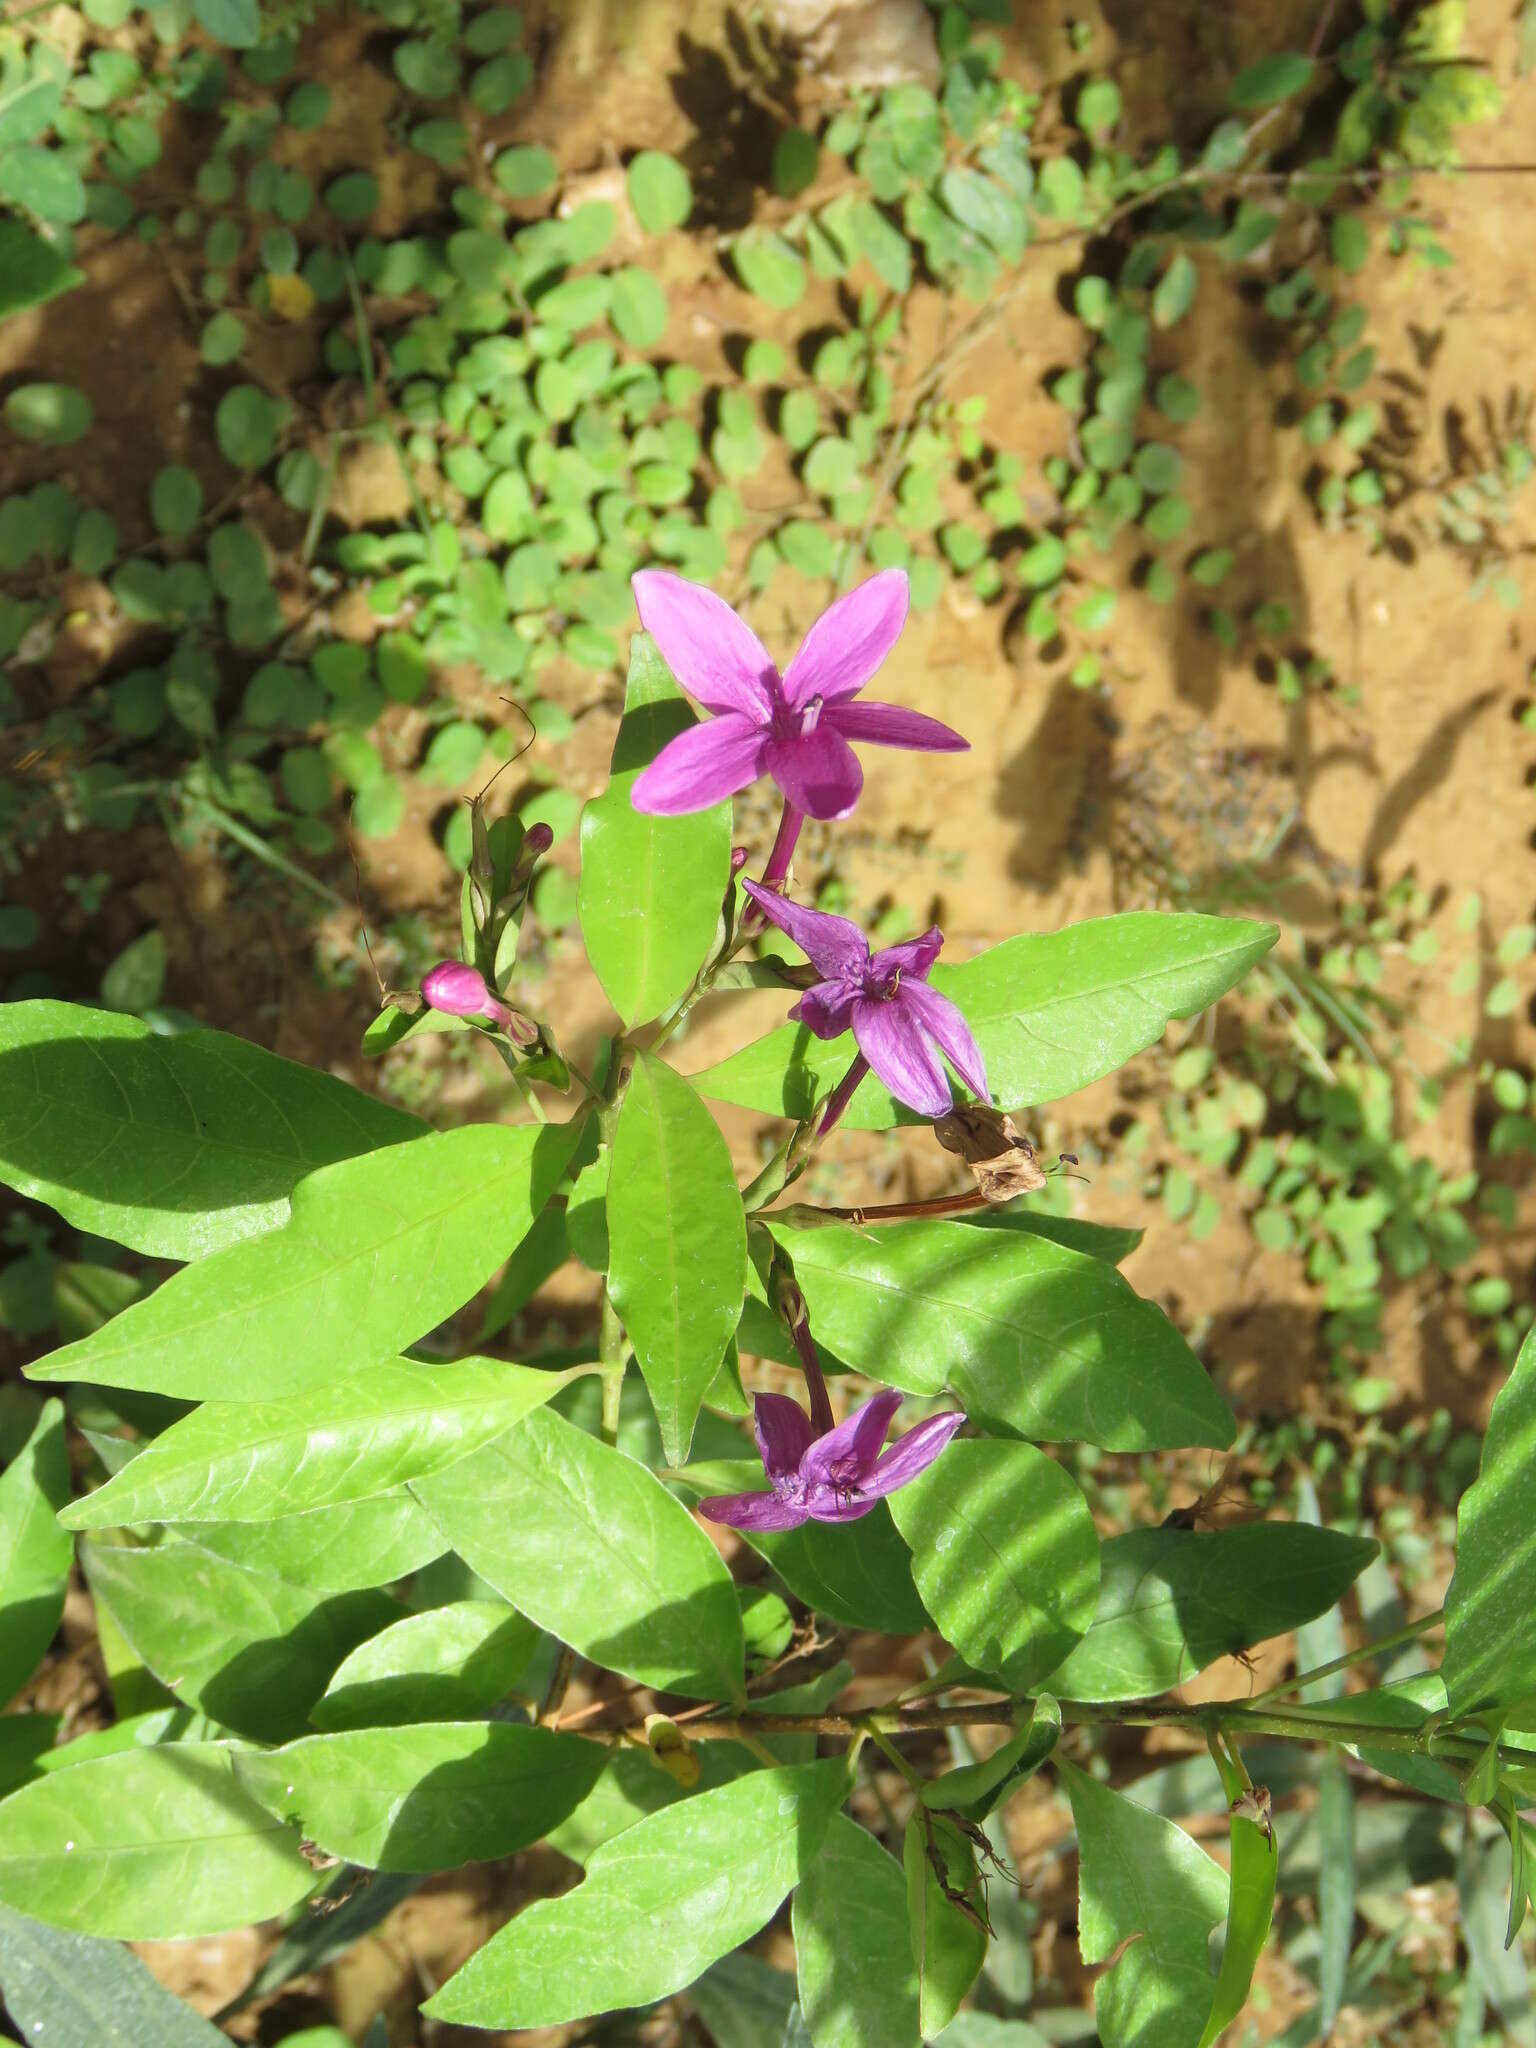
x=1363, y=1655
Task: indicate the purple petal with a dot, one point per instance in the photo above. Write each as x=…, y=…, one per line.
x=783, y=1433
x=827, y=1009
x=834, y=946
x=714, y=655
x=845, y=1456
x=818, y=772
x=459, y=991
x=708, y=762
x=827, y=1505
x=895, y=1045
x=849, y=641
x=911, y=1454
x=763, y=1511
x=911, y=959
x=888, y=725
x=944, y=1023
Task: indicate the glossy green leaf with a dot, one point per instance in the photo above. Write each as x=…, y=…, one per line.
x=330, y=1550
x=590, y=1545
x=449, y=1664
x=677, y=1244
x=858, y=1981
x=1144, y=1886
x=35, y=1553
x=428, y=1797
x=659, y=1903
x=1004, y=1554
x=634, y=1784
x=172, y=1146
x=255, y=1461
x=148, y=1845
x=377, y=1251
x=1032, y=1337
x=254, y=1653
x=651, y=888
x=948, y=1939
x=1171, y=1601
x=72, y=1991
x=1490, y=1646
x=1051, y=1011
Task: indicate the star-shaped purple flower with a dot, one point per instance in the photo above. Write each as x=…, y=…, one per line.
x=833, y=1478
x=900, y=1023
x=795, y=727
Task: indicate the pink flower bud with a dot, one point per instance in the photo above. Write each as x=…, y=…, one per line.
x=537, y=841
x=460, y=991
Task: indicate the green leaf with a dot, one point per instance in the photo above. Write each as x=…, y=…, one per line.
x=35, y=1553
x=1490, y=1647
x=858, y=1982
x=590, y=1545
x=246, y=426
x=651, y=888
x=745, y=2002
x=254, y=1653
x=449, y=1664
x=975, y=1790
x=71, y=1991
x=1175, y=292
x=329, y=1550
x=425, y=1798
x=175, y=500
x=43, y=182
x=148, y=1845
x=1146, y=1886
x=1035, y=1338
x=31, y=270
x=1004, y=1554
x=660, y=191
x=678, y=1244
x=235, y=23
x=135, y=980
x=769, y=267
x=949, y=1943
x=254, y=1461
x=377, y=1251
x=525, y=172
x=54, y=414
x=1275, y=78
x=658, y=1904
x=1051, y=1011
x=986, y=209
x=637, y=307
x=1172, y=1601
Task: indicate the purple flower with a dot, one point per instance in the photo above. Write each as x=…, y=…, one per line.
x=795, y=727
x=900, y=1023
x=460, y=991
x=833, y=1478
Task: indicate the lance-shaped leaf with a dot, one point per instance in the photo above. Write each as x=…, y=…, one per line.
x=1144, y=1885
x=148, y=1845
x=948, y=1938
x=429, y=1797
x=1171, y=1601
x=658, y=1905
x=975, y=1790
x=71, y=1991
x=651, y=888
x=1051, y=1011
x=35, y=1553
x=1004, y=1553
x=1490, y=1646
x=1037, y=1340
x=448, y=1664
x=1250, y=1897
x=253, y=1653
x=858, y=1980
x=634, y=1784
x=330, y=1550
x=378, y=1251
x=677, y=1244
x=592, y=1547
x=256, y=1461
x=175, y=1146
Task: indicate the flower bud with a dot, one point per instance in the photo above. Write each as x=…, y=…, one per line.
x=460, y=991
x=537, y=841
x=739, y=858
